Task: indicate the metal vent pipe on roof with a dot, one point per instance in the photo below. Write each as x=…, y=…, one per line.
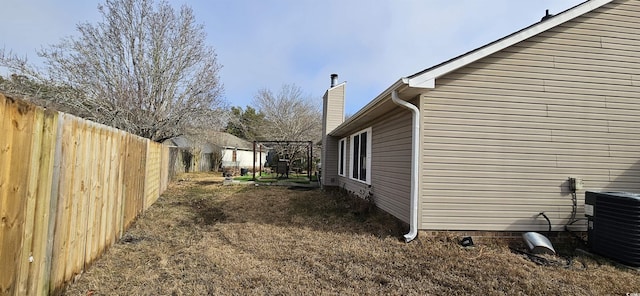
x=546, y=16
x=334, y=79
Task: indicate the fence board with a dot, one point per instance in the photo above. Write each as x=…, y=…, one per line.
x=101, y=195
x=64, y=205
x=34, y=151
x=164, y=170
x=48, y=282
x=86, y=167
x=134, y=179
x=112, y=188
x=91, y=167
x=152, y=175
x=120, y=207
x=38, y=272
x=6, y=261
x=129, y=182
x=77, y=197
x=17, y=129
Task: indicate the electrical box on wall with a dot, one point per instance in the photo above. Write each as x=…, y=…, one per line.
x=575, y=184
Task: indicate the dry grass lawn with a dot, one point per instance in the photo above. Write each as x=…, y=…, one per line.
x=202, y=238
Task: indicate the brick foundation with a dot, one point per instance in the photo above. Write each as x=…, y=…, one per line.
x=557, y=238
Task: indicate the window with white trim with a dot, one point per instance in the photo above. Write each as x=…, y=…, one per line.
x=360, y=162
x=342, y=152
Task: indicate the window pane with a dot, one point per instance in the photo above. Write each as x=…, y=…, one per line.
x=341, y=164
x=356, y=156
x=363, y=157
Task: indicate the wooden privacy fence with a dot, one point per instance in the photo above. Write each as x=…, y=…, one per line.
x=68, y=189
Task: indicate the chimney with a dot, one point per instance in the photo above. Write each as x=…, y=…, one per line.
x=334, y=79
x=332, y=117
x=333, y=105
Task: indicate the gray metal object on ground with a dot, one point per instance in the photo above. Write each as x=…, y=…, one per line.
x=538, y=243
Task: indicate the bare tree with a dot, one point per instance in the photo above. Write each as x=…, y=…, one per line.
x=144, y=68
x=48, y=95
x=289, y=116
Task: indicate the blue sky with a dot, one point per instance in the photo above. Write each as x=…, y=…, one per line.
x=264, y=44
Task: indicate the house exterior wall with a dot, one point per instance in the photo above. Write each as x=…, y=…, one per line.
x=329, y=161
x=502, y=135
x=244, y=158
x=390, y=164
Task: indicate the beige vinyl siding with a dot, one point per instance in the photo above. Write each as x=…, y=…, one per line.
x=334, y=106
x=390, y=164
x=502, y=135
x=330, y=169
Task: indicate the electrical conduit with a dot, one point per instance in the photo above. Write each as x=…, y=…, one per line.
x=415, y=144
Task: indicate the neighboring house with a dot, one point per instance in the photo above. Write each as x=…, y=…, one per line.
x=499, y=130
x=218, y=151
x=193, y=156
x=238, y=153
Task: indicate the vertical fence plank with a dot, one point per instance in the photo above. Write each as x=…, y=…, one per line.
x=62, y=237
x=128, y=181
x=142, y=154
x=38, y=275
x=152, y=173
x=90, y=166
x=106, y=186
x=122, y=184
x=112, y=188
x=164, y=169
x=33, y=168
x=6, y=267
x=98, y=204
x=154, y=160
x=76, y=195
x=134, y=179
x=107, y=195
x=147, y=180
x=17, y=126
x=49, y=281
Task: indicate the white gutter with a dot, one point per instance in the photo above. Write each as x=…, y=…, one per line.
x=415, y=158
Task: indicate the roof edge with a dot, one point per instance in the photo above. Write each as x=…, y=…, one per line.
x=367, y=108
x=427, y=77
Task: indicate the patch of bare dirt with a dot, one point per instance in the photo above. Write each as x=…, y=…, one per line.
x=203, y=238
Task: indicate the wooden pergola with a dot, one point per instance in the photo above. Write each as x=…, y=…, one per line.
x=309, y=145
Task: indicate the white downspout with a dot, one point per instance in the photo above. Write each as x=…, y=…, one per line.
x=415, y=158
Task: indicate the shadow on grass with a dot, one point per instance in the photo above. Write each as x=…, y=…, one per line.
x=310, y=208
x=208, y=182
x=206, y=202
x=200, y=212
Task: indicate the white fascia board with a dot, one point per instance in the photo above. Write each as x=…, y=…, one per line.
x=421, y=81
x=427, y=79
